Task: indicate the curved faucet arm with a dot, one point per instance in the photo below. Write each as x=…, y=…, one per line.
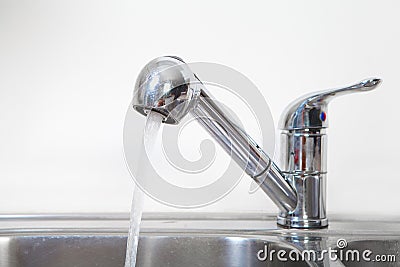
x=310, y=111
x=244, y=151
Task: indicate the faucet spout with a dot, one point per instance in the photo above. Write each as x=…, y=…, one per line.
x=167, y=85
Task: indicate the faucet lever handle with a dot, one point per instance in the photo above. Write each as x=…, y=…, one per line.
x=309, y=111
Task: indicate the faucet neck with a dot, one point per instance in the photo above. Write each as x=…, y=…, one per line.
x=244, y=151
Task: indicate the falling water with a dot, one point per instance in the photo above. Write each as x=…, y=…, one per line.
x=133, y=237
x=152, y=126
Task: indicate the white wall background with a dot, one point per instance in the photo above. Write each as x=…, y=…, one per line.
x=67, y=70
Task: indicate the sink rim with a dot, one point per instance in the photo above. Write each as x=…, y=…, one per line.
x=244, y=224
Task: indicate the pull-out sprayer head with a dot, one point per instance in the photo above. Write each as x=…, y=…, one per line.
x=166, y=85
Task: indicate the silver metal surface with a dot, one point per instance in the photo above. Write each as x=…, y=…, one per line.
x=168, y=86
x=184, y=239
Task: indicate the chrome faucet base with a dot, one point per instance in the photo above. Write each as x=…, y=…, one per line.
x=303, y=159
x=286, y=221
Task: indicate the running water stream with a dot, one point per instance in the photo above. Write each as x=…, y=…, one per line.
x=152, y=126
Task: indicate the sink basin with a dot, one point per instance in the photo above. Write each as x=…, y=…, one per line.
x=106, y=249
x=189, y=240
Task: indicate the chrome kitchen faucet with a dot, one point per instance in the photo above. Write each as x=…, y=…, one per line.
x=167, y=85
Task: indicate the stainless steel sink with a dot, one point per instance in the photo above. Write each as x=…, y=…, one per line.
x=187, y=240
